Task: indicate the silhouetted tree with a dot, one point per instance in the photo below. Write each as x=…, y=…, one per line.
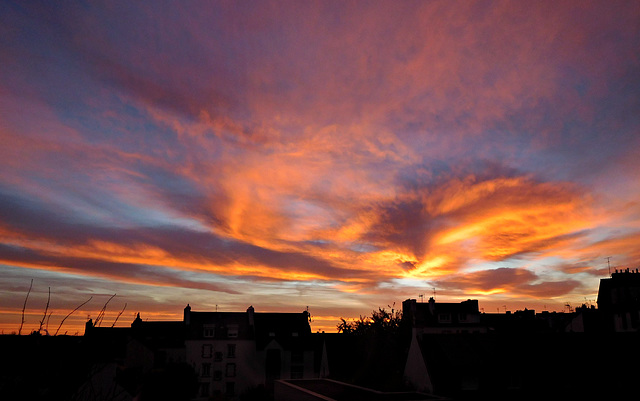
x=381, y=321
x=380, y=349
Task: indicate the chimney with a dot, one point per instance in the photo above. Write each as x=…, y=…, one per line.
x=187, y=315
x=88, y=326
x=137, y=321
x=409, y=311
x=250, y=311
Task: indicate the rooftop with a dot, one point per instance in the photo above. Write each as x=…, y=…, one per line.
x=331, y=390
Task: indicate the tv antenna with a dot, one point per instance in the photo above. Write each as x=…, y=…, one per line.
x=609, y=264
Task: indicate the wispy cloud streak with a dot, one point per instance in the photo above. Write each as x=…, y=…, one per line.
x=481, y=147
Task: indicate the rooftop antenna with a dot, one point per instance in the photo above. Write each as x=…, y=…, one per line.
x=421, y=296
x=434, y=293
x=609, y=264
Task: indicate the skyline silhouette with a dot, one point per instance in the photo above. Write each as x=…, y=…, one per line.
x=110, y=318
x=423, y=351
x=336, y=155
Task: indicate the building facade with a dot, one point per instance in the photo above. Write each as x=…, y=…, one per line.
x=619, y=301
x=234, y=353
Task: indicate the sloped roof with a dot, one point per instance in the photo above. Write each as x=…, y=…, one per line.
x=159, y=334
x=289, y=330
x=220, y=322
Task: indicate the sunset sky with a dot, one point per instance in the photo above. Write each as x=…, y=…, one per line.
x=335, y=155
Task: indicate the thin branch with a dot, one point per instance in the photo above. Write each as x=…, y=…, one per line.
x=65, y=318
x=25, y=306
x=119, y=314
x=46, y=329
x=102, y=311
x=46, y=309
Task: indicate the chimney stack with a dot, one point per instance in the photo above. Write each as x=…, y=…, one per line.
x=250, y=311
x=187, y=315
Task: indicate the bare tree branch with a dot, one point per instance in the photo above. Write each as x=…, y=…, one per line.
x=46, y=309
x=46, y=329
x=65, y=318
x=119, y=314
x=102, y=311
x=25, y=306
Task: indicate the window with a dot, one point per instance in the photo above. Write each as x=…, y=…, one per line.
x=217, y=356
x=444, y=318
x=209, y=330
x=231, y=388
x=207, y=350
x=462, y=317
x=230, y=370
x=231, y=350
x=232, y=331
x=204, y=389
x=206, y=370
x=217, y=375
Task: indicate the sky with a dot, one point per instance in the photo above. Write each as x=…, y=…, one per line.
x=339, y=156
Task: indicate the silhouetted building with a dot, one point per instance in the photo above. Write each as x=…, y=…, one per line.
x=528, y=321
x=524, y=354
x=438, y=317
x=236, y=352
x=432, y=318
x=230, y=354
x=619, y=301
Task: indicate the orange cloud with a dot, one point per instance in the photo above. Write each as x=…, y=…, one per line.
x=365, y=150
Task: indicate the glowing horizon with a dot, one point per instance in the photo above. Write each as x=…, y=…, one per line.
x=330, y=155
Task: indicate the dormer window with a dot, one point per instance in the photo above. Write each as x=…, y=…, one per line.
x=444, y=318
x=232, y=331
x=209, y=330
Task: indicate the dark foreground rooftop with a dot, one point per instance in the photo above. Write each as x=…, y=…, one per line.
x=331, y=390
